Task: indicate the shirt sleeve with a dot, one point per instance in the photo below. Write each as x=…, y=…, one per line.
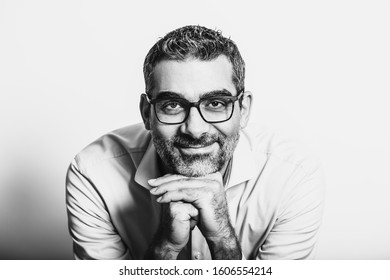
x=295, y=232
x=90, y=226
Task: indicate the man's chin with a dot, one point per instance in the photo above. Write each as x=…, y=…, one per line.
x=196, y=168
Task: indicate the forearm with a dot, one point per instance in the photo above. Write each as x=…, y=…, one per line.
x=223, y=243
x=226, y=246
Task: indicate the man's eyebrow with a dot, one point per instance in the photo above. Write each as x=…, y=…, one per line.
x=216, y=93
x=175, y=95
x=168, y=95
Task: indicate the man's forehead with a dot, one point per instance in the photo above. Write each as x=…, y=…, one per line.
x=193, y=76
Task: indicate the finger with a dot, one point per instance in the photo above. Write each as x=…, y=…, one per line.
x=184, y=195
x=192, y=211
x=164, y=179
x=183, y=210
x=175, y=185
x=215, y=176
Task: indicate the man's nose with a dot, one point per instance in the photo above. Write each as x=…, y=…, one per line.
x=195, y=125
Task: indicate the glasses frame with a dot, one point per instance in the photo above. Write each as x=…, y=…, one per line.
x=194, y=104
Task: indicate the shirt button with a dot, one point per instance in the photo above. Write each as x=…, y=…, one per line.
x=197, y=256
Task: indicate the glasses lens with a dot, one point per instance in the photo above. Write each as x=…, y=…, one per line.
x=216, y=109
x=171, y=111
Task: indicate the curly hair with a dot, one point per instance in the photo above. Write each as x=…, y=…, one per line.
x=198, y=42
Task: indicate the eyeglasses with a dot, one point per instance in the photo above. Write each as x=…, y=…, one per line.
x=214, y=109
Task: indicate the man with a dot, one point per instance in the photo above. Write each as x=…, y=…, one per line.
x=193, y=182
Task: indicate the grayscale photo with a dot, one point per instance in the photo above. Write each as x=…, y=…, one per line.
x=193, y=181
x=209, y=131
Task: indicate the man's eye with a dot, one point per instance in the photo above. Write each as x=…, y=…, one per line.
x=215, y=104
x=170, y=107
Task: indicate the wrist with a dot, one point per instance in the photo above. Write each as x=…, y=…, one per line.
x=166, y=251
x=225, y=246
x=161, y=248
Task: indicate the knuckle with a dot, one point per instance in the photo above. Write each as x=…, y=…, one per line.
x=192, y=210
x=175, y=207
x=209, y=195
x=172, y=207
x=214, y=187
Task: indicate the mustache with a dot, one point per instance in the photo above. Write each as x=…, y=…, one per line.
x=187, y=140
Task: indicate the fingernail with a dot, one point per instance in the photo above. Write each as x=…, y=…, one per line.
x=158, y=199
x=153, y=190
x=151, y=181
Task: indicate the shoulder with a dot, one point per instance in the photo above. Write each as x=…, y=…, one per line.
x=131, y=140
x=278, y=149
x=291, y=178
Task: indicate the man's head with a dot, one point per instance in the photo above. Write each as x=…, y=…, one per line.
x=197, y=42
x=196, y=104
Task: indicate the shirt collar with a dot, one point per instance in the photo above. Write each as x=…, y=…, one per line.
x=243, y=165
x=148, y=167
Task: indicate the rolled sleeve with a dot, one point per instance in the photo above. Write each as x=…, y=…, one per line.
x=93, y=234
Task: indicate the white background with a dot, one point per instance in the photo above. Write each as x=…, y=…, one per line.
x=71, y=71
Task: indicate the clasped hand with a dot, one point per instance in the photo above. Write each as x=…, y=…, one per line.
x=192, y=201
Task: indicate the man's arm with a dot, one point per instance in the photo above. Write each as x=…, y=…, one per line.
x=207, y=195
x=94, y=236
x=296, y=231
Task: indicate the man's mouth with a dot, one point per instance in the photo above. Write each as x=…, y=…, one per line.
x=197, y=149
x=204, y=145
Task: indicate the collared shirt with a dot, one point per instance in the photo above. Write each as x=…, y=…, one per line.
x=275, y=195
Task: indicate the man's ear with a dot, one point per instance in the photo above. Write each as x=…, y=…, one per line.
x=144, y=107
x=246, y=107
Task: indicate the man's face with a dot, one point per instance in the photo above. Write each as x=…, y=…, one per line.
x=195, y=147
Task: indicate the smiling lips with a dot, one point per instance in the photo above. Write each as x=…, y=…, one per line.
x=197, y=149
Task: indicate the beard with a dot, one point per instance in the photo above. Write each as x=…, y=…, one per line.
x=195, y=165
